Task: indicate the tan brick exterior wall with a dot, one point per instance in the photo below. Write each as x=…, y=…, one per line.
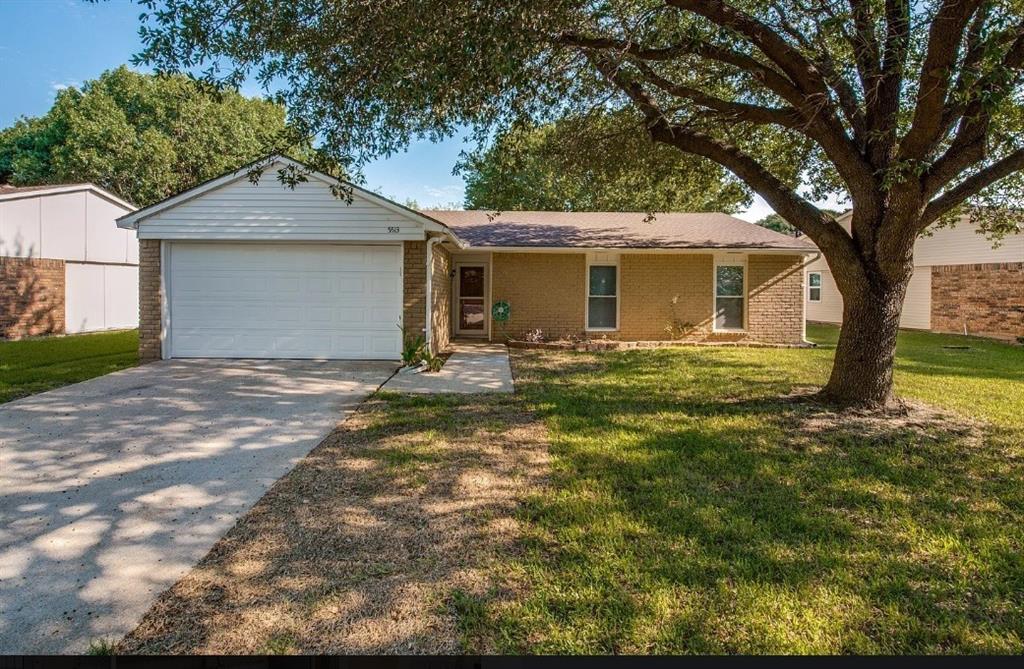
x=414, y=293
x=775, y=299
x=150, y=297
x=547, y=291
x=658, y=290
x=31, y=297
x=441, y=298
x=988, y=299
x=544, y=290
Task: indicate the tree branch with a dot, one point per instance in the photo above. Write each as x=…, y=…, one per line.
x=972, y=185
x=799, y=212
x=864, y=42
x=944, y=38
x=882, y=95
x=816, y=106
x=970, y=145
x=769, y=77
x=738, y=111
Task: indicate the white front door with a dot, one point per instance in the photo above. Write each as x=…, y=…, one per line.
x=471, y=306
x=272, y=300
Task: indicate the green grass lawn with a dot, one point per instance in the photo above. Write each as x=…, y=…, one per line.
x=693, y=510
x=34, y=365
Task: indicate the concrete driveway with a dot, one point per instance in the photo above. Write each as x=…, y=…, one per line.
x=111, y=489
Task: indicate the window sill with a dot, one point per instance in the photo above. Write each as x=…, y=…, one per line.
x=600, y=329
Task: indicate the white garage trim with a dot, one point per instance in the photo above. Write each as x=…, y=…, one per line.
x=282, y=300
x=231, y=206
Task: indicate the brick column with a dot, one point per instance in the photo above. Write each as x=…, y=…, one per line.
x=150, y=300
x=414, y=289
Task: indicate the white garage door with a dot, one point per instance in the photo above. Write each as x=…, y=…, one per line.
x=235, y=300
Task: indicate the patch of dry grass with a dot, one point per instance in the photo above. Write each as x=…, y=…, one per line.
x=361, y=547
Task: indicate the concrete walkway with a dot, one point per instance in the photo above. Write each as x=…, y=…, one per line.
x=112, y=489
x=473, y=368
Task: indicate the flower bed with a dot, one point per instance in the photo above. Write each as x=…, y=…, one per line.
x=613, y=345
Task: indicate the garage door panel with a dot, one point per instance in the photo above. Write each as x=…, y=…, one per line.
x=289, y=301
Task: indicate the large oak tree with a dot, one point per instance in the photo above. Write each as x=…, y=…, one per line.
x=911, y=110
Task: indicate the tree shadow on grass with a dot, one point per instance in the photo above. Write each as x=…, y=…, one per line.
x=362, y=546
x=693, y=520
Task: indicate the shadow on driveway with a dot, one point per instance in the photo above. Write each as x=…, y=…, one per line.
x=111, y=489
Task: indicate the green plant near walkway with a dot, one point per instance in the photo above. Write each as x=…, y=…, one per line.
x=34, y=365
x=413, y=347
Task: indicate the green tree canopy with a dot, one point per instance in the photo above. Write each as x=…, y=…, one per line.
x=142, y=136
x=600, y=162
x=775, y=222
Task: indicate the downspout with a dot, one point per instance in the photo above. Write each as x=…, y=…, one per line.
x=430, y=290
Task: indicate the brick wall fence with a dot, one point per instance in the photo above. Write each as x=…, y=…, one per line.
x=149, y=300
x=987, y=299
x=31, y=297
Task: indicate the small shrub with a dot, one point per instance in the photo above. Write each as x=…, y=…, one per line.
x=433, y=362
x=534, y=336
x=412, y=348
x=1020, y=339
x=100, y=647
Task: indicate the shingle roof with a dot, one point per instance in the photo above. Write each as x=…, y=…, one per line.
x=6, y=189
x=556, y=229
x=9, y=192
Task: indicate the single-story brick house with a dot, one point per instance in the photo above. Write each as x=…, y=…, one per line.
x=963, y=283
x=233, y=268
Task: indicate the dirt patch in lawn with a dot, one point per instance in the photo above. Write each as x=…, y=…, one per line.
x=361, y=548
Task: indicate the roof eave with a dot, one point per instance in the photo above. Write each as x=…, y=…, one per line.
x=632, y=249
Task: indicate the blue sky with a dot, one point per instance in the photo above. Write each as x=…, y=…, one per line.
x=46, y=45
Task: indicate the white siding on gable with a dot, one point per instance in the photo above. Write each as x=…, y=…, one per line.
x=270, y=210
x=79, y=227
x=63, y=219
x=963, y=245
x=21, y=234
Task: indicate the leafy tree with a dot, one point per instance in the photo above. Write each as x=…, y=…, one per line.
x=598, y=162
x=912, y=109
x=778, y=224
x=141, y=136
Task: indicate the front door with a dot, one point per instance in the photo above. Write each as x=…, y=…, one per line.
x=471, y=310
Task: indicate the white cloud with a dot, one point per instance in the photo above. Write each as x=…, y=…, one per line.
x=57, y=86
x=450, y=191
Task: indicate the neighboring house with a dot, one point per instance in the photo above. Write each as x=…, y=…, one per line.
x=236, y=269
x=65, y=266
x=961, y=284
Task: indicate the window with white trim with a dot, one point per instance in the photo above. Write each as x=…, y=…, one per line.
x=729, y=300
x=603, y=297
x=814, y=286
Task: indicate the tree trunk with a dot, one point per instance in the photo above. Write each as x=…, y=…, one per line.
x=862, y=369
